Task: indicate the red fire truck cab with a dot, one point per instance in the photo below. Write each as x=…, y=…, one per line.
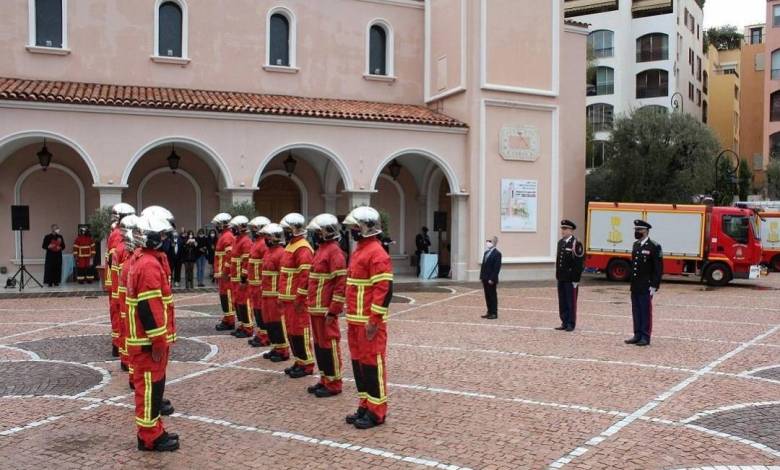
x=716, y=243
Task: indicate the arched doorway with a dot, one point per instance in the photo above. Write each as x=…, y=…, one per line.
x=62, y=195
x=277, y=196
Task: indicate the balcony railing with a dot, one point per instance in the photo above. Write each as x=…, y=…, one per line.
x=588, y=7
x=641, y=8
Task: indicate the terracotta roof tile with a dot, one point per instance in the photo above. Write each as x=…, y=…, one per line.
x=45, y=91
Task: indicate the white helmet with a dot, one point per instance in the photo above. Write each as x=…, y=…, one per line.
x=240, y=222
x=258, y=223
x=274, y=233
x=295, y=223
x=366, y=219
x=127, y=224
x=149, y=231
x=158, y=212
x=221, y=219
x=121, y=210
x=327, y=225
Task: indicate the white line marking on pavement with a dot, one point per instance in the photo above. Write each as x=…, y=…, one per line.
x=191, y=312
x=738, y=406
x=427, y=304
x=213, y=350
x=105, y=376
x=34, y=424
x=615, y=428
x=759, y=369
x=57, y=325
x=411, y=300
x=742, y=440
x=34, y=356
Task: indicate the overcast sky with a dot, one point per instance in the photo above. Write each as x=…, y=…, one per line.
x=735, y=12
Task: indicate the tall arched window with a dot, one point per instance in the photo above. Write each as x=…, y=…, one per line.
x=598, y=154
x=170, y=30
x=650, y=47
x=281, y=37
x=601, y=82
x=774, y=106
x=48, y=23
x=601, y=42
x=774, y=145
x=652, y=83
x=776, y=65
x=377, y=56
x=600, y=116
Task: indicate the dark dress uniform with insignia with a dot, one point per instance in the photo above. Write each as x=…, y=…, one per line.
x=646, y=272
x=568, y=270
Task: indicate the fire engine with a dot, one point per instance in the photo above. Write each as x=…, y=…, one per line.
x=770, y=239
x=716, y=243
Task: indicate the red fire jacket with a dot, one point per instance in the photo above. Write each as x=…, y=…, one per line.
x=239, y=257
x=270, y=274
x=117, y=258
x=296, y=263
x=150, y=303
x=369, y=283
x=222, y=253
x=84, y=251
x=114, y=239
x=254, y=274
x=327, y=280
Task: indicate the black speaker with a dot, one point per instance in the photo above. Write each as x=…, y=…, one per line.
x=20, y=217
x=439, y=221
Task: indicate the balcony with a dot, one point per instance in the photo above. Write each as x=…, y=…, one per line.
x=588, y=7
x=641, y=8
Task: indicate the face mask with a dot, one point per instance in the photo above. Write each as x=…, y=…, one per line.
x=269, y=243
x=57, y=231
x=638, y=235
x=356, y=234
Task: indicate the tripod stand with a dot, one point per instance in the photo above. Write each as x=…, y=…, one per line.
x=22, y=269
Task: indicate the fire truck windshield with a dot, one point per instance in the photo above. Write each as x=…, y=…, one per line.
x=736, y=227
x=754, y=228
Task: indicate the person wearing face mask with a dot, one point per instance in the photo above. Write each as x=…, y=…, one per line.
x=222, y=250
x=83, y=254
x=254, y=279
x=239, y=260
x=202, y=243
x=189, y=257
x=273, y=319
x=175, y=252
x=568, y=270
x=646, y=272
x=488, y=274
x=53, y=243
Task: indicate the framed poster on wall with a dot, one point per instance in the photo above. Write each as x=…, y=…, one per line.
x=518, y=205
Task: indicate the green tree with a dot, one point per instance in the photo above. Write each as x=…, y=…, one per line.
x=773, y=179
x=100, y=223
x=245, y=208
x=745, y=180
x=723, y=38
x=726, y=184
x=655, y=157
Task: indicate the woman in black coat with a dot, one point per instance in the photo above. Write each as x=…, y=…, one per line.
x=53, y=243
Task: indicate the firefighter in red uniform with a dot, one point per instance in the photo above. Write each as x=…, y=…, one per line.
x=84, y=254
x=254, y=277
x=273, y=317
x=150, y=320
x=221, y=262
x=239, y=260
x=114, y=244
x=127, y=225
x=293, y=291
x=159, y=212
x=369, y=290
x=327, y=283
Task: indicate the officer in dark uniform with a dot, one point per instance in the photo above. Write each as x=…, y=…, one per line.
x=568, y=269
x=646, y=271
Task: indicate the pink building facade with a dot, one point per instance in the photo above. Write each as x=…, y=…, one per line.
x=772, y=81
x=468, y=107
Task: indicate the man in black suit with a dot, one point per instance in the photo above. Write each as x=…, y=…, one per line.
x=422, y=243
x=488, y=274
x=568, y=269
x=647, y=267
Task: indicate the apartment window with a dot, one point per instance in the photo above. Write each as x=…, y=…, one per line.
x=698, y=68
x=690, y=91
x=598, y=155
x=704, y=111
x=776, y=65
x=756, y=35
x=604, y=83
x=652, y=83
x=698, y=97
x=698, y=32
x=774, y=145
x=600, y=117
x=774, y=106
x=379, y=60
x=169, y=30
x=280, y=40
x=759, y=62
x=601, y=42
x=705, y=81
x=652, y=47
x=776, y=15
x=47, y=23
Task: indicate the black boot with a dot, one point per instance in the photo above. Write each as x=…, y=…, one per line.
x=114, y=351
x=166, y=409
x=632, y=340
x=255, y=342
x=277, y=357
x=368, y=421
x=315, y=387
x=222, y=326
x=325, y=393
x=299, y=372
x=350, y=419
x=164, y=443
x=124, y=367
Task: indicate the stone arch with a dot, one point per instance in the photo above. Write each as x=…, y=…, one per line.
x=188, y=177
x=343, y=170
x=12, y=142
x=452, y=177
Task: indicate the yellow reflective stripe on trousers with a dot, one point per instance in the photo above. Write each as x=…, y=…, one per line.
x=380, y=372
x=147, y=396
x=334, y=350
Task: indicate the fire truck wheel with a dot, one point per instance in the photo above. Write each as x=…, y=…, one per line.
x=775, y=264
x=619, y=270
x=717, y=274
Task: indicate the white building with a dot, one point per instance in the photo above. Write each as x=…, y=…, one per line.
x=645, y=52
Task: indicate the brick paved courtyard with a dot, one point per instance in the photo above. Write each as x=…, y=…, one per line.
x=464, y=392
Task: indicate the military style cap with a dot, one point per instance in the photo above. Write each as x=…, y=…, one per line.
x=639, y=223
x=566, y=223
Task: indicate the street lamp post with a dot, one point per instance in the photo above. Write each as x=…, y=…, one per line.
x=677, y=102
x=732, y=173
